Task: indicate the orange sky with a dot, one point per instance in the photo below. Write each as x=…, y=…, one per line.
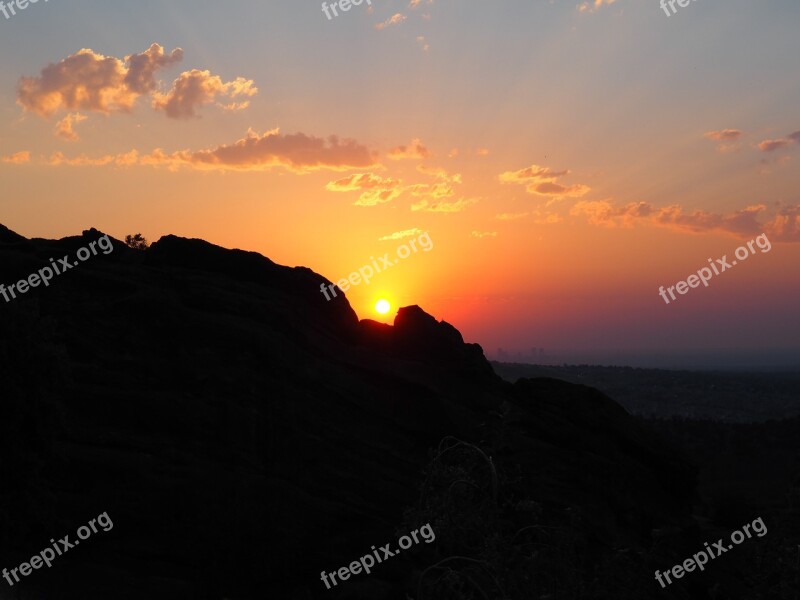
x=565, y=161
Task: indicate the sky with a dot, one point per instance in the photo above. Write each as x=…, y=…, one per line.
x=565, y=159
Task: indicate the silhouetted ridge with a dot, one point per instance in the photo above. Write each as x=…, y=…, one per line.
x=416, y=335
x=243, y=432
x=198, y=254
x=298, y=286
x=9, y=237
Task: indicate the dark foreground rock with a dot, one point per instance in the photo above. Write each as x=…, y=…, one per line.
x=244, y=434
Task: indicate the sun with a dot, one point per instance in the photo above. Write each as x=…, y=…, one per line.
x=382, y=306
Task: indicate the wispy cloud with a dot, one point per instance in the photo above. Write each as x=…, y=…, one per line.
x=511, y=216
x=298, y=152
x=772, y=145
x=414, y=150
x=783, y=226
x=395, y=19
x=726, y=137
x=445, y=207
x=543, y=181
x=64, y=128
x=434, y=192
x=723, y=135
x=594, y=5
x=18, y=158
x=375, y=189
x=399, y=235
x=127, y=159
x=777, y=144
x=378, y=190
x=195, y=88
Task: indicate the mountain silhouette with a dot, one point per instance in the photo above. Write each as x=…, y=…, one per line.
x=244, y=434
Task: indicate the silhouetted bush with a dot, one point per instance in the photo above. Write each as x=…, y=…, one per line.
x=137, y=242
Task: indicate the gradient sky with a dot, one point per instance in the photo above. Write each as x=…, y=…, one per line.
x=566, y=159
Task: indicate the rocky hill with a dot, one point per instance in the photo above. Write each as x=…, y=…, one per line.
x=244, y=435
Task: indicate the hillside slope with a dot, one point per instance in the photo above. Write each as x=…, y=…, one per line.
x=244, y=434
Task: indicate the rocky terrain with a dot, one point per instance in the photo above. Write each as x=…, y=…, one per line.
x=244, y=435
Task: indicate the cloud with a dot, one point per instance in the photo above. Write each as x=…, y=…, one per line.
x=376, y=189
x=441, y=188
x=551, y=188
x=423, y=44
x=784, y=225
x=604, y=212
x=360, y=181
x=510, y=216
x=439, y=173
x=375, y=197
x=64, y=128
x=483, y=234
x=538, y=216
x=90, y=81
x=395, y=19
x=399, y=235
x=594, y=5
x=435, y=191
x=446, y=207
x=18, y=158
x=777, y=144
x=414, y=150
x=772, y=145
x=546, y=218
x=127, y=159
x=142, y=67
x=84, y=80
x=530, y=174
x=195, y=88
x=298, y=152
x=723, y=135
x=542, y=180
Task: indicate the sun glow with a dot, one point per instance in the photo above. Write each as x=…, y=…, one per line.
x=382, y=306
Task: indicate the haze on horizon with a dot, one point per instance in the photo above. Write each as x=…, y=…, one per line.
x=566, y=159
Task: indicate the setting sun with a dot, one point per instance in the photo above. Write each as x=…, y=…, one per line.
x=382, y=306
